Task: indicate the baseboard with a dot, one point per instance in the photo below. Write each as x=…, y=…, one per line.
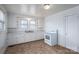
x=23, y=43
x=68, y=48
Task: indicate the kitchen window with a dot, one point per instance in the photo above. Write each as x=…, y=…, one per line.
x=32, y=25
x=28, y=25
x=24, y=25
x=1, y=20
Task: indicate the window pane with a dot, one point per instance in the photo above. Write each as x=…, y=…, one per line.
x=1, y=26
x=32, y=25
x=24, y=26
x=32, y=22
x=1, y=16
x=24, y=22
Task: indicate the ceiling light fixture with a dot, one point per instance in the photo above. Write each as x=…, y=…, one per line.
x=46, y=6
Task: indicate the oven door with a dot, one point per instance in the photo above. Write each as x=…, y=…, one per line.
x=47, y=37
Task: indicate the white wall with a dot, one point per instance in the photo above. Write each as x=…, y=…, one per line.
x=57, y=22
x=3, y=34
x=15, y=36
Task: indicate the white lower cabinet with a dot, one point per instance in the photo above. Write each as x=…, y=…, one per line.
x=22, y=37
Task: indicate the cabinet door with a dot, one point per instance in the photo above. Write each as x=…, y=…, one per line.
x=71, y=32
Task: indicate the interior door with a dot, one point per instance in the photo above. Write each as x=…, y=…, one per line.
x=71, y=32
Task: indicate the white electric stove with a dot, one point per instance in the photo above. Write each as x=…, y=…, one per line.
x=50, y=38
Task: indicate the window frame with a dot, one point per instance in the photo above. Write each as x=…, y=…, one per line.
x=23, y=29
x=28, y=29
x=2, y=21
x=32, y=25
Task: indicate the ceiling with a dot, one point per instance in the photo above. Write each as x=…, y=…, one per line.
x=36, y=9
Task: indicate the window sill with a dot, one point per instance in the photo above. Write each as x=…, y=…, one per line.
x=29, y=31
